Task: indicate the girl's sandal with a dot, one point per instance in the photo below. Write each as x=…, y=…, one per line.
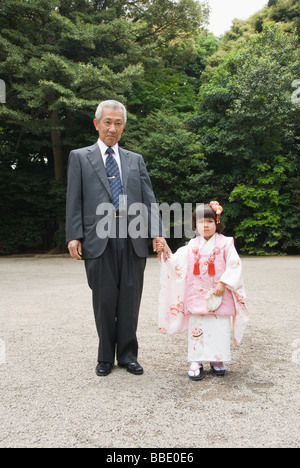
x=196, y=372
x=219, y=370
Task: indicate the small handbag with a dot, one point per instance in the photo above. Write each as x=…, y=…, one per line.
x=213, y=302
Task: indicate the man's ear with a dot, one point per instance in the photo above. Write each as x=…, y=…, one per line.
x=96, y=123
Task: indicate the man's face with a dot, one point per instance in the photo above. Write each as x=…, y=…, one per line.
x=111, y=126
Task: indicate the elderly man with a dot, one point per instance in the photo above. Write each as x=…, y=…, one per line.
x=105, y=185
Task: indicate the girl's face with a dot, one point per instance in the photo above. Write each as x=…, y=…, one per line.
x=207, y=227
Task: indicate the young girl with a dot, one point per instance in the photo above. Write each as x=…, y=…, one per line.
x=202, y=291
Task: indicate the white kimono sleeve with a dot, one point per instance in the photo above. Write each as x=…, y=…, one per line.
x=233, y=278
x=171, y=316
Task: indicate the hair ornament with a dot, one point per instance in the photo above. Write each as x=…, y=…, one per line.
x=217, y=208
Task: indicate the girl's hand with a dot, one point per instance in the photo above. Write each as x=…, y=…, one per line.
x=162, y=249
x=159, y=248
x=220, y=289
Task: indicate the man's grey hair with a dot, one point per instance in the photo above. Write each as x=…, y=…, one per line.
x=112, y=105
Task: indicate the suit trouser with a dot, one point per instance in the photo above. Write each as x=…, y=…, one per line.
x=116, y=279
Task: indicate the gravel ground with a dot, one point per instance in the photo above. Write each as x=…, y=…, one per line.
x=51, y=397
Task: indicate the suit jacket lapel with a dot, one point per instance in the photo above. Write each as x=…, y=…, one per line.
x=125, y=163
x=95, y=158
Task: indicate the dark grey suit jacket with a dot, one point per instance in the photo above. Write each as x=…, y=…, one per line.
x=88, y=188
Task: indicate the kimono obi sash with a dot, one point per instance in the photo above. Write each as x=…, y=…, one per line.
x=204, y=272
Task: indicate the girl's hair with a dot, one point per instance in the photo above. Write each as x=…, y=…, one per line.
x=205, y=211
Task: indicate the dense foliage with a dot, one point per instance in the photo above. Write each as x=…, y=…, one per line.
x=249, y=128
x=213, y=117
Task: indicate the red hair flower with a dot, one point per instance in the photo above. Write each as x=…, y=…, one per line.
x=217, y=208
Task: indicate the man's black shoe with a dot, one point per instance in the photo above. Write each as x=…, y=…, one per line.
x=103, y=369
x=134, y=368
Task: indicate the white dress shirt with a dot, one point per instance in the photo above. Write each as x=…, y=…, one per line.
x=103, y=148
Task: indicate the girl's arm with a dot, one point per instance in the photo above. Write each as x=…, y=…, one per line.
x=233, y=276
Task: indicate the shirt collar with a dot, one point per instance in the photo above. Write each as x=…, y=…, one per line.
x=103, y=148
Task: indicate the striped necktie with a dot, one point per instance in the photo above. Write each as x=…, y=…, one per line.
x=114, y=178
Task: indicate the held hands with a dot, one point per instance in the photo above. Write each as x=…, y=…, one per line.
x=161, y=247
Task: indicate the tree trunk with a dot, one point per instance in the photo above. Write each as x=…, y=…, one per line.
x=57, y=156
x=57, y=146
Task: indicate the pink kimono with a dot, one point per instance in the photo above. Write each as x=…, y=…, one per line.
x=210, y=267
x=190, y=275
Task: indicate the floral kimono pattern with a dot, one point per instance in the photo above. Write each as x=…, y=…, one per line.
x=177, y=307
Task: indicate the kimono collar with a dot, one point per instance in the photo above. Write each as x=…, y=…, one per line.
x=204, y=242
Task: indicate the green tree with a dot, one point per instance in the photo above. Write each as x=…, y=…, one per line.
x=284, y=12
x=175, y=159
x=59, y=58
x=249, y=130
x=175, y=156
x=52, y=62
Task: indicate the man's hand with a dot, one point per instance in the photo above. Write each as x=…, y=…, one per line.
x=75, y=249
x=161, y=247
